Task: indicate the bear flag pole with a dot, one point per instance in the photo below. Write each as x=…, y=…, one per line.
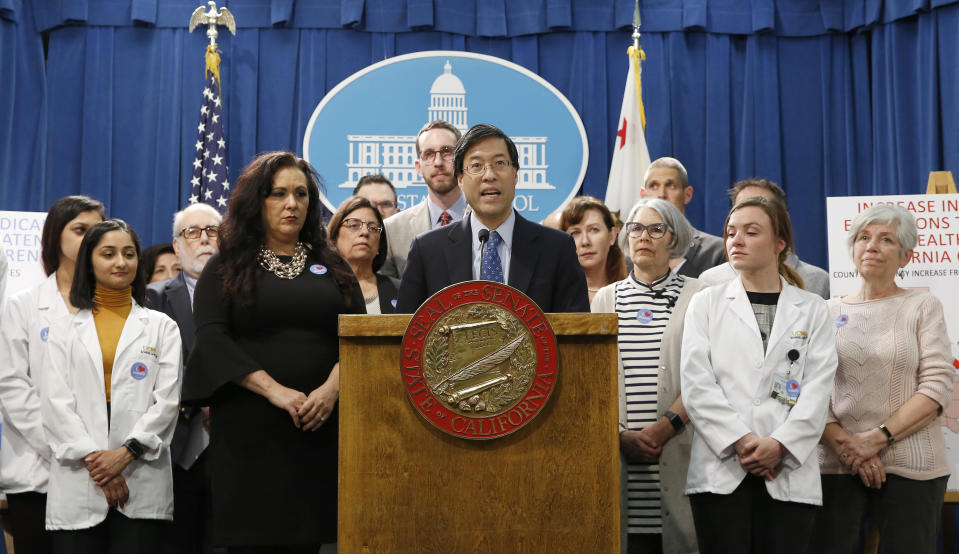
x=630, y=155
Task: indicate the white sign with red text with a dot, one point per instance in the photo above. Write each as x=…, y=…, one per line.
x=20, y=240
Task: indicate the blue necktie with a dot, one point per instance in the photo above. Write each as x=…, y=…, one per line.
x=491, y=268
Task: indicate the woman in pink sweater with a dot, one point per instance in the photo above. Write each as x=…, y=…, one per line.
x=883, y=452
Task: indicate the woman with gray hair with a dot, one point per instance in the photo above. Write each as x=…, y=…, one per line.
x=651, y=303
x=883, y=452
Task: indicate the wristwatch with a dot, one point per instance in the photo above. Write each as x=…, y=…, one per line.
x=889, y=438
x=675, y=420
x=135, y=448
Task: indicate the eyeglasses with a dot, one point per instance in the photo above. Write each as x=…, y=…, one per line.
x=476, y=168
x=428, y=156
x=354, y=225
x=193, y=233
x=655, y=230
x=384, y=205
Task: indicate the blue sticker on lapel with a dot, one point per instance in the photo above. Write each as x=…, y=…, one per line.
x=393, y=302
x=841, y=320
x=138, y=371
x=318, y=269
x=644, y=315
x=44, y=334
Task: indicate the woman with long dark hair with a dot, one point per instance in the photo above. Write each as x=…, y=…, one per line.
x=109, y=403
x=266, y=360
x=24, y=330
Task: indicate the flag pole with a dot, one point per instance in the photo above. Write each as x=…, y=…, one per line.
x=630, y=153
x=637, y=55
x=210, y=177
x=637, y=22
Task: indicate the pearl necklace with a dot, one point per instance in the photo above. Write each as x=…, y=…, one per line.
x=271, y=262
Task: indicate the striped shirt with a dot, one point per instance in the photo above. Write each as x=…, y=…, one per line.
x=644, y=310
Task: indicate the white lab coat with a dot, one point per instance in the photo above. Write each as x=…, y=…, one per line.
x=24, y=452
x=73, y=402
x=727, y=379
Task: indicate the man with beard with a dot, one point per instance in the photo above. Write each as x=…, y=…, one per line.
x=195, y=240
x=444, y=202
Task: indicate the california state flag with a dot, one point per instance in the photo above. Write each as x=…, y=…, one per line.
x=630, y=155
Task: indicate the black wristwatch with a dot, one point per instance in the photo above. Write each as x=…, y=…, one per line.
x=135, y=448
x=675, y=420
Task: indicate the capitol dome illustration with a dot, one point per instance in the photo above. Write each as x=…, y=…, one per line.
x=448, y=99
x=395, y=155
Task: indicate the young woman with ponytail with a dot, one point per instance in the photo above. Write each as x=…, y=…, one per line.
x=757, y=368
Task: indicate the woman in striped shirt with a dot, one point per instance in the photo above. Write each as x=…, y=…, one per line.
x=651, y=303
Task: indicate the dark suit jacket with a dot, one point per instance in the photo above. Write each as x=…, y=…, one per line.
x=173, y=298
x=705, y=251
x=543, y=265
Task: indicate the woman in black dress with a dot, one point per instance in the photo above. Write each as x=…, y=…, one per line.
x=266, y=361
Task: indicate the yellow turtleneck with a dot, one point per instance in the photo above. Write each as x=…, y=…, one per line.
x=111, y=308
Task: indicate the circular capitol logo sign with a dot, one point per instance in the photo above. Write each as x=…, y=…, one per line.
x=479, y=360
x=368, y=124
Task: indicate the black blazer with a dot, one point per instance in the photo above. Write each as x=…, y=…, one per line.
x=387, y=288
x=543, y=264
x=173, y=298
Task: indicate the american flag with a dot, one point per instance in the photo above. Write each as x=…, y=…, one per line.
x=210, y=182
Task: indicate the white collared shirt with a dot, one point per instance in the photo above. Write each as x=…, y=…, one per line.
x=505, y=231
x=456, y=211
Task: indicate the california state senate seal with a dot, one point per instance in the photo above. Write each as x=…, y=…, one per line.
x=479, y=360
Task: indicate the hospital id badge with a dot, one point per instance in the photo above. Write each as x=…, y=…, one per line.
x=786, y=391
x=779, y=390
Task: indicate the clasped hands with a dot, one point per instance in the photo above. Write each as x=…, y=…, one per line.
x=104, y=467
x=760, y=456
x=645, y=446
x=860, y=453
x=308, y=412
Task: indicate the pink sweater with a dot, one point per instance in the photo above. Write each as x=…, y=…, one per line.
x=889, y=350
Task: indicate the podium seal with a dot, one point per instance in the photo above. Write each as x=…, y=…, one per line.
x=479, y=360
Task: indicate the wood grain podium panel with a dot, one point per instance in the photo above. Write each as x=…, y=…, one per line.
x=405, y=486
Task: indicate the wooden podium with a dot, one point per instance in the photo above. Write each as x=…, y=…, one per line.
x=405, y=486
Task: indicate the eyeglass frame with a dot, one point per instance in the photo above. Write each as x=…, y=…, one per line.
x=428, y=157
x=200, y=231
x=506, y=164
x=372, y=226
x=639, y=228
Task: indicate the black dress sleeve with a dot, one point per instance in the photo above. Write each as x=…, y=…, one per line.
x=216, y=359
x=387, y=288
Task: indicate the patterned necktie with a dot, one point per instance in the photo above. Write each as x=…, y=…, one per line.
x=491, y=268
x=445, y=218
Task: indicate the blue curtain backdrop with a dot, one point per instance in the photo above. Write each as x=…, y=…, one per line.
x=836, y=97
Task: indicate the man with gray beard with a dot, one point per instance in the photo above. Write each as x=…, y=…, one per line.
x=195, y=240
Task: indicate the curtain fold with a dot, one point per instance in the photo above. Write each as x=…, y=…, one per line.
x=488, y=17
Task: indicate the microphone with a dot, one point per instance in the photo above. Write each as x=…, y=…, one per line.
x=483, y=238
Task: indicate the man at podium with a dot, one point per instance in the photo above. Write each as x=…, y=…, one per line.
x=493, y=242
